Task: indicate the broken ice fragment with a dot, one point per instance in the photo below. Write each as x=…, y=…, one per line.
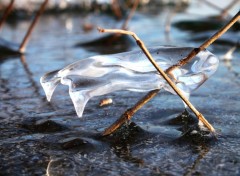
x=103, y=74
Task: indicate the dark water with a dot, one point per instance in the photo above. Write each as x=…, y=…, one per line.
x=41, y=138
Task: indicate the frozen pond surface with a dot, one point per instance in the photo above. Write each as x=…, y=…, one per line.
x=40, y=138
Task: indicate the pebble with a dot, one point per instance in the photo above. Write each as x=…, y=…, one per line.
x=105, y=102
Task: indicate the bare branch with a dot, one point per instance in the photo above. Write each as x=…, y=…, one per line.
x=135, y=5
x=194, y=52
x=6, y=13
x=116, y=9
x=30, y=29
x=130, y=112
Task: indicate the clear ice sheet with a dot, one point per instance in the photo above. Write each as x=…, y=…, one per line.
x=103, y=74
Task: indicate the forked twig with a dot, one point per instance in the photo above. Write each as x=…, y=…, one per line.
x=30, y=29
x=6, y=13
x=128, y=114
x=163, y=74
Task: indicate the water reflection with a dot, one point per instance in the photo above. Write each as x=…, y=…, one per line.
x=202, y=152
x=69, y=25
x=30, y=75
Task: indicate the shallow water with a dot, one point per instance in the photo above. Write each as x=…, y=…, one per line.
x=40, y=138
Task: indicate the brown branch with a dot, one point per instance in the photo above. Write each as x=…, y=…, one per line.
x=30, y=29
x=130, y=112
x=195, y=51
x=163, y=74
x=135, y=5
x=225, y=10
x=116, y=9
x=6, y=13
x=209, y=3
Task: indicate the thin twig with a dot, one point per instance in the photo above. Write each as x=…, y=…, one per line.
x=168, y=21
x=195, y=51
x=135, y=5
x=226, y=9
x=116, y=9
x=209, y=3
x=163, y=74
x=224, y=12
x=124, y=26
x=130, y=112
x=30, y=29
x=6, y=13
x=148, y=97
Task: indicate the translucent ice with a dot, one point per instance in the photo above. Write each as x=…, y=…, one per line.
x=131, y=71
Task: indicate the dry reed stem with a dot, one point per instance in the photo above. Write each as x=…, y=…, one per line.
x=224, y=12
x=163, y=74
x=211, y=4
x=30, y=29
x=6, y=13
x=124, y=25
x=195, y=51
x=226, y=9
x=135, y=5
x=128, y=114
x=169, y=17
x=116, y=9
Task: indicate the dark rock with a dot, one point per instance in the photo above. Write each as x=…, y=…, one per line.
x=205, y=24
x=118, y=43
x=127, y=133
x=43, y=126
x=8, y=49
x=76, y=143
x=184, y=118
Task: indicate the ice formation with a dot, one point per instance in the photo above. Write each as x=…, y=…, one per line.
x=100, y=75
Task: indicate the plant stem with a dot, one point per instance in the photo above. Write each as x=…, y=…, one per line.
x=116, y=9
x=225, y=10
x=135, y=5
x=195, y=51
x=127, y=115
x=30, y=29
x=6, y=13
